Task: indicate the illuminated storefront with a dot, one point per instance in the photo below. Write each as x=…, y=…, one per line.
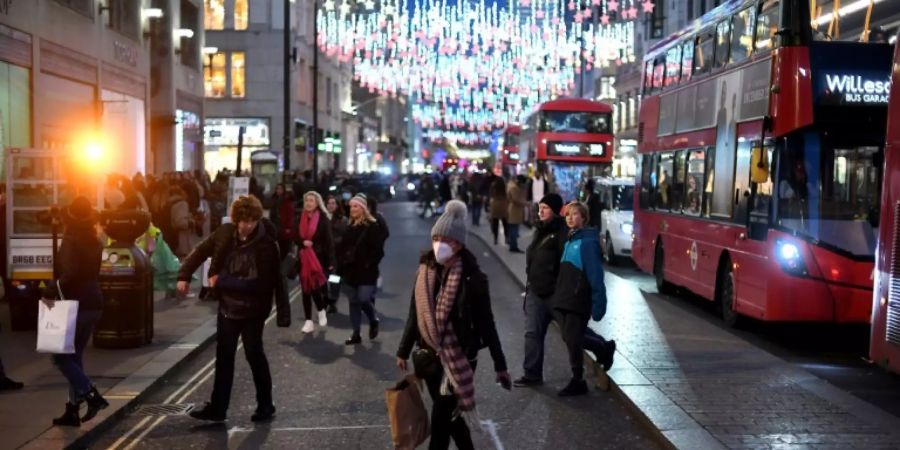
x=221, y=142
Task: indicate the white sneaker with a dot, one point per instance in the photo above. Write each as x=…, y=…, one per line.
x=308, y=327
x=323, y=318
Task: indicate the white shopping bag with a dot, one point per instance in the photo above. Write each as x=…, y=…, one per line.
x=56, y=327
x=204, y=273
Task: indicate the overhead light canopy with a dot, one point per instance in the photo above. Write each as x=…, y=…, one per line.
x=210, y=50
x=184, y=32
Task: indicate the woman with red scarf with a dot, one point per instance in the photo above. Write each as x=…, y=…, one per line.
x=316, y=257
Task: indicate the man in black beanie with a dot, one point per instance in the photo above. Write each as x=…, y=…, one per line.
x=542, y=260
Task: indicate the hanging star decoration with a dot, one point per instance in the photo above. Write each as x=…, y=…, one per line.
x=469, y=67
x=647, y=6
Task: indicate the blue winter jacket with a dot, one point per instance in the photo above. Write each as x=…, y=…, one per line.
x=580, y=288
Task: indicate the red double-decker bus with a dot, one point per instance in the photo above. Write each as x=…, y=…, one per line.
x=884, y=346
x=760, y=148
x=570, y=139
x=508, y=161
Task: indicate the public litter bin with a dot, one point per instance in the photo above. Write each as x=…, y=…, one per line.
x=126, y=282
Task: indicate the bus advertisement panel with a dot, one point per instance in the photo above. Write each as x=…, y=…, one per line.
x=760, y=165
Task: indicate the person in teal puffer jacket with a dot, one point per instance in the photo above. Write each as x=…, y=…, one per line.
x=580, y=292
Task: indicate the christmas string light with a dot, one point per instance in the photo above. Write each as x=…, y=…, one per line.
x=476, y=65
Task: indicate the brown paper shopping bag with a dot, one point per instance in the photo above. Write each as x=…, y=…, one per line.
x=407, y=413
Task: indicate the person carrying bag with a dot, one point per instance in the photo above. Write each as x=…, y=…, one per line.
x=77, y=267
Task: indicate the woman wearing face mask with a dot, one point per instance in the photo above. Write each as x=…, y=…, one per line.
x=316, y=257
x=450, y=319
x=339, y=225
x=580, y=293
x=359, y=253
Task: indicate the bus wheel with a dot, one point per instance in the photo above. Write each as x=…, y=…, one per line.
x=609, y=254
x=662, y=286
x=727, y=295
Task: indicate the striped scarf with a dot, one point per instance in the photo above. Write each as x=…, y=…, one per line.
x=436, y=329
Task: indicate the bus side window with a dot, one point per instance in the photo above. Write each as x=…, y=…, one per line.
x=760, y=210
x=708, y=180
x=673, y=66
x=723, y=38
x=647, y=180
x=767, y=25
x=742, y=36
x=659, y=72
x=694, y=181
x=664, y=174
x=679, y=181
x=703, y=53
x=648, y=77
x=687, y=60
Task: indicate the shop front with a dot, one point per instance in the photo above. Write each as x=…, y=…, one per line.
x=15, y=91
x=221, y=137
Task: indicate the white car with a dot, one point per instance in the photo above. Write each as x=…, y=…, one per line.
x=617, y=218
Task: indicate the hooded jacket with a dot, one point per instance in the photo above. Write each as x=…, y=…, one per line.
x=78, y=267
x=472, y=317
x=542, y=258
x=580, y=288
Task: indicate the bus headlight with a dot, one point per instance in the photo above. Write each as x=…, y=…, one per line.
x=627, y=228
x=789, y=257
x=410, y=186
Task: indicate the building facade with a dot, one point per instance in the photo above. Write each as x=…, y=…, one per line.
x=244, y=87
x=73, y=71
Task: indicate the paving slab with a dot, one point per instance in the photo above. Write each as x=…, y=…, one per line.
x=702, y=387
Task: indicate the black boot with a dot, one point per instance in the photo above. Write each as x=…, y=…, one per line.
x=373, y=329
x=576, y=386
x=263, y=414
x=208, y=413
x=610, y=354
x=355, y=339
x=9, y=385
x=69, y=418
x=95, y=403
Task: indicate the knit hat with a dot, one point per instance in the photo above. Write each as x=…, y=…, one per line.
x=452, y=223
x=554, y=201
x=80, y=210
x=360, y=200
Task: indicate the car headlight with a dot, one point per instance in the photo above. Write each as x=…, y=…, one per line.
x=789, y=257
x=627, y=228
x=410, y=186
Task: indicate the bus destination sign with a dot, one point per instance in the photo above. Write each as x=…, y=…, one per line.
x=848, y=89
x=576, y=149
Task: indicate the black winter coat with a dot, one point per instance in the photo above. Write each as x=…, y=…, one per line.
x=323, y=241
x=77, y=267
x=542, y=258
x=361, y=249
x=218, y=245
x=472, y=316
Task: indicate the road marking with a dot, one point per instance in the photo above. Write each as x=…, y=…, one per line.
x=491, y=427
x=349, y=427
x=209, y=367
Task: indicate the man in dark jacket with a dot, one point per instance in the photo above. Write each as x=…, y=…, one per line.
x=246, y=275
x=542, y=268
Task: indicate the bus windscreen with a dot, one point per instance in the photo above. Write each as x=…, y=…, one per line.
x=575, y=122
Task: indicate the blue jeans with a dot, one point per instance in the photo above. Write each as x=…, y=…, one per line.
x=476, y=213
x=360, y=299
x=513, y=236
x=537, y=319
x=71, y=365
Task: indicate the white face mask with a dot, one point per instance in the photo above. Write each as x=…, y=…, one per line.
x=442, y=251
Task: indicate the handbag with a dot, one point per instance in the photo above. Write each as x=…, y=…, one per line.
x=407, y=414
x=290, y=266
x=56, y=326
x=426, y=363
